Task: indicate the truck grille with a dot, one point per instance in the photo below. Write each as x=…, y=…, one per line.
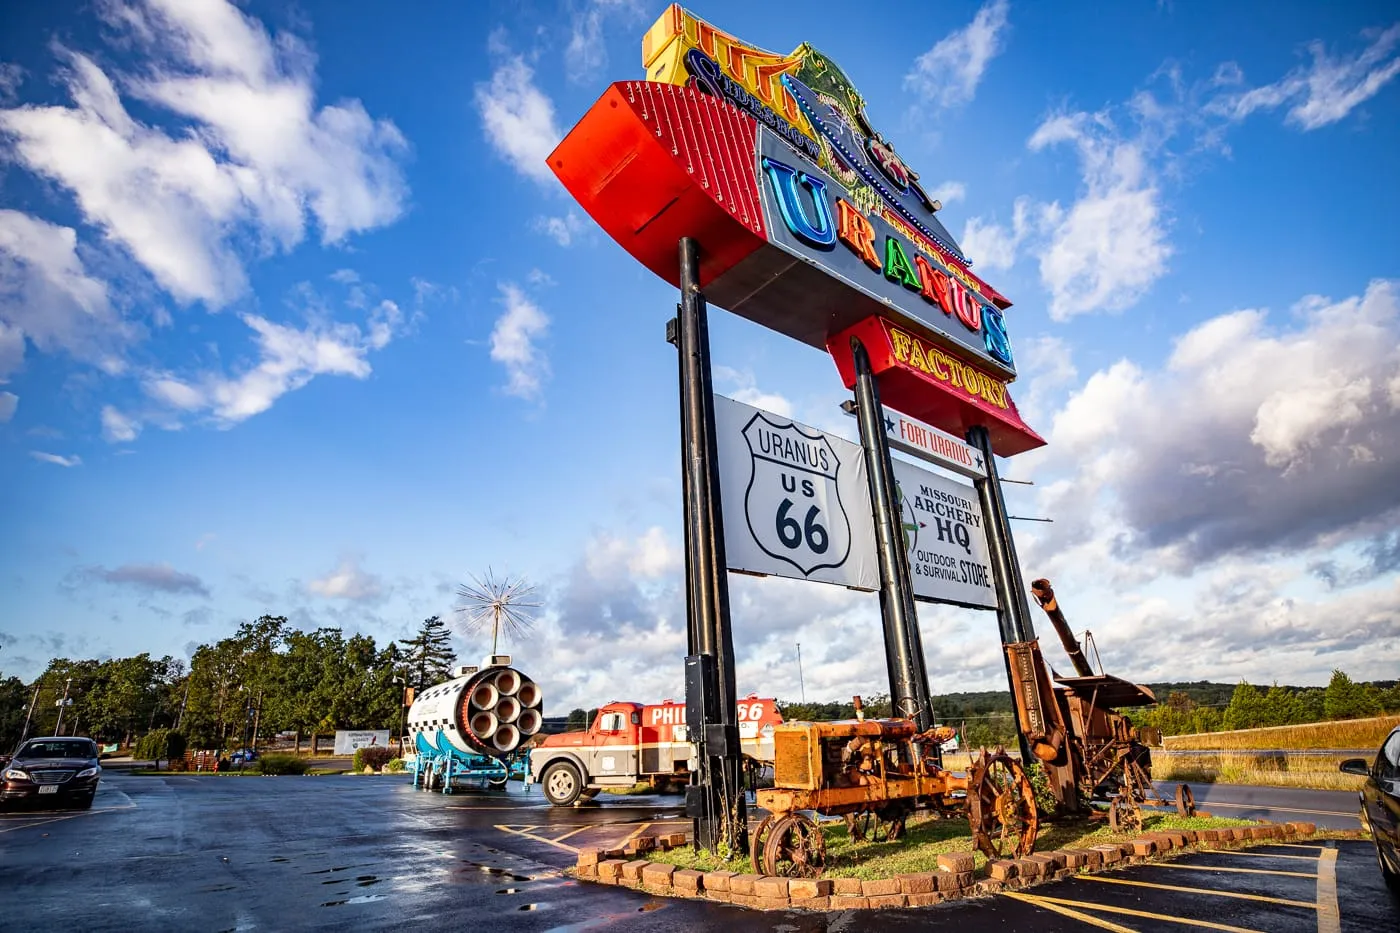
x=52, y=777
x=792, y=761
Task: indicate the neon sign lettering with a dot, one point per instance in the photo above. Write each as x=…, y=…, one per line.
x=707, y=76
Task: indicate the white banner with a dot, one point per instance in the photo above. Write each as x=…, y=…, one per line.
x=797, y=504
x=346, y=742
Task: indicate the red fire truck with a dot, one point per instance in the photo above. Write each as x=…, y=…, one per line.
x=630, y=743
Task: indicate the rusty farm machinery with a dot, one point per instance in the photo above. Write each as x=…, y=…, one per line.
x=1090, y=752
x=875, y=773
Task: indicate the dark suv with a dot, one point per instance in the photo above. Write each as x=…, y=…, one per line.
x=57, y=770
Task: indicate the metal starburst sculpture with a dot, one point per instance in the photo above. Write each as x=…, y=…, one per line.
x=506, y=605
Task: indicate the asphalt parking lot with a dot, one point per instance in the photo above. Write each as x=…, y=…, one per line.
x=331, y=853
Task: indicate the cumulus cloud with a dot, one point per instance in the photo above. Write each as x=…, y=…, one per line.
x=1322, y=92
x=259, y=157
x=116, y=427
x=563, y=230
x=56, y=459
x=1253, y=439
x=9, y=402
x=514, y=343
x=587, y=53
x=1107, y=248
x=992, y=246
x=288, y=357
x=153, y=578
x=518, y=119
x=48, y=299
x=948, y=73
x=348, y=581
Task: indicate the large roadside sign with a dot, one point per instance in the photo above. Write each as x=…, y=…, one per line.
x=797, y=504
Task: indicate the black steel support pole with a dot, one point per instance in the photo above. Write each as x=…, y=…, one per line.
x=1013, y=611
x=725, y=820
x=903, y=646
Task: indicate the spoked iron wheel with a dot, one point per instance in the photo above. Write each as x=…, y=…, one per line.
x=1001, y=806
x=795, y=848
x=1185, y=801
x=1124, y=815
x=885, y=825
x=757, y=839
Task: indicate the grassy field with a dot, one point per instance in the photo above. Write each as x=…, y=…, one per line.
x=928, y=838
x=1296, y=769
x=1346, y=733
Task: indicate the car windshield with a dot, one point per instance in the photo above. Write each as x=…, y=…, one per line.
x=57, y=749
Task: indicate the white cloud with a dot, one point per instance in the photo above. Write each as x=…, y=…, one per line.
x=992, y=246
x=116, y=427
x=587, y=52
x=48, y=298
x=518, y=119
x=949, y=192
x=742, y=386
x=259, y=156
x=1322, y=92
x=1109, y=247
x=57, y=459
x=289, y=357
x=513, y=343
x=348, y=581
x=563, y=230
x=9, y=402
x=948, y=73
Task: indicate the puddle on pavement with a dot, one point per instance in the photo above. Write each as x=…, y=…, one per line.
x=528, y=907
x=362, y=899
x=475, y=868
x=508, y=891
x=649, y=906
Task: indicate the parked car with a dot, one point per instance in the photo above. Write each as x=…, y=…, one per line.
x=1380, y=804
x=54, y=769
x=243, y=756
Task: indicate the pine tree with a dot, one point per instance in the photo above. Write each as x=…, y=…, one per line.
x=428, y=655
x=1246, y=709
x=1347, y=699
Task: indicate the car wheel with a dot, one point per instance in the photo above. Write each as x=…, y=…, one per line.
x=1391, y=878
x=562, y=783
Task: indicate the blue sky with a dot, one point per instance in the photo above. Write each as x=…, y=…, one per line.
x=293, y=319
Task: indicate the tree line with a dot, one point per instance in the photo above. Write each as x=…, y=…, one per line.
x=266, y=677
x=1253, y=708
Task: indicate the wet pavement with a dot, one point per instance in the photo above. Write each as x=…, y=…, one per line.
x=368, y=853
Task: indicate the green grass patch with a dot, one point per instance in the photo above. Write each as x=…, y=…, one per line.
x=641, y=787
x=928, y=837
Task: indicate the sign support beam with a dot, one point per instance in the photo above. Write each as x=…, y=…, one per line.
x=1013, y=609
x=716, y=801
x=904, y=654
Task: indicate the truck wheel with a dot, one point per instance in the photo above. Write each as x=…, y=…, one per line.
x=562, y=783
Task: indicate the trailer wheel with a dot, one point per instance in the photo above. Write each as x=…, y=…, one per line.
x=562, y=783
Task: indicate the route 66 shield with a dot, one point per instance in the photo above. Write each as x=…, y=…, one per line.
x=793, y=500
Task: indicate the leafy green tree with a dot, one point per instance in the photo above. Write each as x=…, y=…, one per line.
x=428, y=655
x=1280, y=707
x=14, y=703
x=578, y=720
x=1347, y=699
x=1246, y=709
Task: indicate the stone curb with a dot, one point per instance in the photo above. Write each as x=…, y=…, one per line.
x=953, y=879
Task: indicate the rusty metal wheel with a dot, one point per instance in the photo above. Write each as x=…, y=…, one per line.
x=1124, y=815
x=757, y=838
x=1185, y=801
x=1001, y=806
x=860, y=826
x=795, y=848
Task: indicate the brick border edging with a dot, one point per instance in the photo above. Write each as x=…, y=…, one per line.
x=954, y=878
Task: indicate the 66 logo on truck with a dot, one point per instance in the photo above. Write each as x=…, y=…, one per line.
x=793, y=501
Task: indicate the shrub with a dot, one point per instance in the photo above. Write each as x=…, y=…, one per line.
x=282, y=764
x=376, y=756
x=159, y=745
x=394, y=766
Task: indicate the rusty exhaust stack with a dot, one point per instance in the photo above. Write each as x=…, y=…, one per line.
x=1045, y=595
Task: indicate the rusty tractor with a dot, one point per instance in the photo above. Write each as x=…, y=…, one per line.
x=876, y=773
x=1090, y=752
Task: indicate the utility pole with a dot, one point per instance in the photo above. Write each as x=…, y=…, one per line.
x=62, y=704
x=802, y=685
x=29, y=713
x=180, y=720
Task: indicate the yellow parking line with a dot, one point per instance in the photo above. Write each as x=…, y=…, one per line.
x=1329, y=915
x=1067, y=912
x=530, y=835
x=1302, y=858
x=574, y=832
x=636, y=832
x=1173, y=887
x=1242, y=871
x=1294, y=845
x=1128, y=911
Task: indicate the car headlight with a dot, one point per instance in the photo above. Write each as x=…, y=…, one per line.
x=88, y=772
x=14, y=774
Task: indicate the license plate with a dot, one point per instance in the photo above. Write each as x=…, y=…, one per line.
x=48, y=789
